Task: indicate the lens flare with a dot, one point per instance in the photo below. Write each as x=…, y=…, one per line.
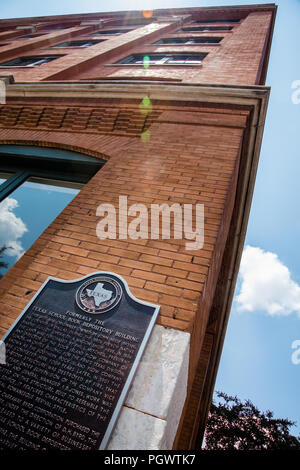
x=146, y=101
x=145, y=106
x=147, y=13
x=145, y=136
x=146, y=62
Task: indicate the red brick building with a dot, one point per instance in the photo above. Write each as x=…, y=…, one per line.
x=174, y=103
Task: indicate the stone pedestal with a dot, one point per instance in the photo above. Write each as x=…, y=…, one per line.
x=152, y=410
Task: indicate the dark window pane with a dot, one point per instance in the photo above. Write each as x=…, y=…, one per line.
x=113, y=31
x=28, y=61
x=55, y=27
x=204, y=29
x=161, y=59
x=132, y=23
x=82, y=43
x=191, y=40
x=217, y=21
x=28, y=36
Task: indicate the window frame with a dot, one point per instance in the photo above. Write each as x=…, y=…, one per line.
x=204, y=29
x=56, y=27
x=94, y=41
x=180, y=43
x=164, y=60
x=29, y=36
x=109, y=32
x=46, y=163
x=34, y=64
x=232, y=20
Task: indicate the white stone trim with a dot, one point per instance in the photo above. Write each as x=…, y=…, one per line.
x=153, y=407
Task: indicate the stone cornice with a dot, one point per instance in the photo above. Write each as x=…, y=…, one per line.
x=135, y=89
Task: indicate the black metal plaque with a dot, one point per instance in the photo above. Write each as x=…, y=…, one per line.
x=70, y=359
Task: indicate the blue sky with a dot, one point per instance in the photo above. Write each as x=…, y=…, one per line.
x=18, y=228
x=265, y=320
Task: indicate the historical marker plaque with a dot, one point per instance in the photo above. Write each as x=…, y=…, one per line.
x=70, y=359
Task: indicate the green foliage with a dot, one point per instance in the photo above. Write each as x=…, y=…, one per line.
x=236, y=425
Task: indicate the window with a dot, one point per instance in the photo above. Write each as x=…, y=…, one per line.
x=139, y=24
x=190, y=40
x=36, y=183
x=134, y=23
x=204, y=29
x=29, y=36
x=30, y=61
x=163, y=59
x=217, y=21
x=83, y=43
x=4, y=176
x=112, y=31
x=54, y=27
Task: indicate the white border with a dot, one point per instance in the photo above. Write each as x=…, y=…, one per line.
x=144, y=342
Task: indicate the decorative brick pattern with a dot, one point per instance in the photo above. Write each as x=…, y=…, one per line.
x=78, y=119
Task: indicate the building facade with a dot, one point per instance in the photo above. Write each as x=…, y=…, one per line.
x=163, y=107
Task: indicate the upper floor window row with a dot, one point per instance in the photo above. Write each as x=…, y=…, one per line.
x=190, y=40
x=163, y=59
x=29, y=36
x=112, y=31
x=203, y=29
x=82, y=43
x=29, y=61
x=218, y=21
x=135, y=23
x=54, y=27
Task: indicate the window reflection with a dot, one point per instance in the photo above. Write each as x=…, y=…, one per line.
x=27, y=211
x=4, y=176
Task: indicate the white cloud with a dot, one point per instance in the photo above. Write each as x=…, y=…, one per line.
x=266, y=284
x=12, y=228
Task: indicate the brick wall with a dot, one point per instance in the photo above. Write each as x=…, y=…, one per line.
x=236, y=60
x=192, y=156
x=190, y=163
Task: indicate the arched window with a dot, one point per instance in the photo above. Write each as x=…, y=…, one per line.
x=36, y=183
